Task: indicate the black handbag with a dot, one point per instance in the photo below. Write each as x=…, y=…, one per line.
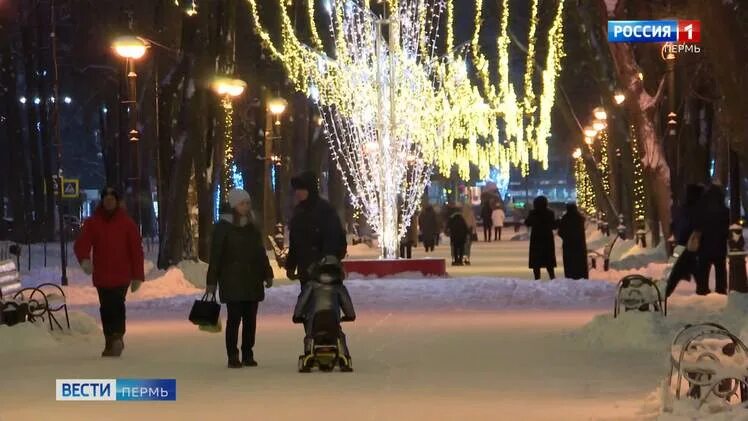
x=205, y=311
x=12, y=313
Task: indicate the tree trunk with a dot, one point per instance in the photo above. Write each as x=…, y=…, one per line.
x=640, y=106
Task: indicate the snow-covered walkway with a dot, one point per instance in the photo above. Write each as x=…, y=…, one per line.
x=485, y=344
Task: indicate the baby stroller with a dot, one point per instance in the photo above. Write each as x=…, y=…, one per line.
x=319, y=308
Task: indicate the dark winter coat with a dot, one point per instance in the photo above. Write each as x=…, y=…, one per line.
x=428, y=223
x=542, y=222
x=315, y=230
x=714, y=224
x=485, y=214
x=238, y=262
x=571, y=231
x=686, y=216
x=117, y=248
x=457, y=228
x=319, y=296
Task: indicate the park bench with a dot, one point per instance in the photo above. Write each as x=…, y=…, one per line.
x=711, y=361
x=41, y=302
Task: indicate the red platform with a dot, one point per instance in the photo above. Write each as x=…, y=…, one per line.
x=384, y=267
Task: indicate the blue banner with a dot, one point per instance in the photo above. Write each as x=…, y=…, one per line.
x=642, y=31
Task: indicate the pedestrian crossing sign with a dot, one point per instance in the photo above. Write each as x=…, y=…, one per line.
x=70, y=188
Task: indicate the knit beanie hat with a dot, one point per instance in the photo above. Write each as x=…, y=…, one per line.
x=237, y=196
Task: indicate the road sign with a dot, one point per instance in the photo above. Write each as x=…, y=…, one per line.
x=70, y=188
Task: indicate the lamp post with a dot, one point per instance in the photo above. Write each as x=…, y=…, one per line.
x=132, y=48
x=228, y=89
x=271, y=206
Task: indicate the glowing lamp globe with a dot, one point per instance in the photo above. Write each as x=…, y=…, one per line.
x=577, y=153
x=598, y=125
x=619, y=97
x=588, y=140
x=277, y=106
x=229, y=87
x=590, y=132
x=130, y=47
x=600, y=113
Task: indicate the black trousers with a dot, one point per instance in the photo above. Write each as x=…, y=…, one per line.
x=244, y=312
x=406, y=250
x=429, y=244
x=702, y=275
x=486, y=232
x=551, y=272
x=112, y=309
x=497, y=233
x=458, y=251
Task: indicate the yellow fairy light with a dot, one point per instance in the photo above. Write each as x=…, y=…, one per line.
x=639, y=191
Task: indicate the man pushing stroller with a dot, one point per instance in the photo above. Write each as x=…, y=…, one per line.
x=315, y=232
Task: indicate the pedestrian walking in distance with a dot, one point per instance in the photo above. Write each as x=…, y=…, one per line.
x=429, y=226
x=240, y=270
x=472, y=223
x=571, y=231
x=457, y=230
x=497, y=218
x=541, y=221
x=110, y=249
x=486, y=211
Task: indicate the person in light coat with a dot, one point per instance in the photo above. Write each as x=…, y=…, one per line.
x=497, y=218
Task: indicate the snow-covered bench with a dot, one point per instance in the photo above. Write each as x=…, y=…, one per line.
x=42, y=301
x=712, y=361
x=10, y=278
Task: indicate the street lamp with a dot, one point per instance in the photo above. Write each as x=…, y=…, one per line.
x=228, y=89
x=600, y=113
x=589, y=132
x=577, y=153
x=275, y=108
x=619, y=97
x=598, y=125
x=132, y=48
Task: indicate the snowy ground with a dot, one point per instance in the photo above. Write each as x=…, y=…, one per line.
x=485, y=344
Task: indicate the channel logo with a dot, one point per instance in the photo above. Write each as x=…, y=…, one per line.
x=116, y=389
x=675, y=31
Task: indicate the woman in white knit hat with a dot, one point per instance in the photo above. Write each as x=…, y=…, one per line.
x=239, y=267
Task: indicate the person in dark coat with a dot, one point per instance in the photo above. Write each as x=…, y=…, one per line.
x=117, y=264
x=571, y=231
x=457, y=229
x=429, y=227
x=486, y=210
x=714, y=224
x=541, y=221
x=315, y=232
x=685, y=218
x=239, y=266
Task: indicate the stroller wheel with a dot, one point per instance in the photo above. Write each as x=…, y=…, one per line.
x=326, y=367
x=303, y=367
x=346, y=366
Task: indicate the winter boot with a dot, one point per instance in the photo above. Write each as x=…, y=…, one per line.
x=248, y=360
x=117, y=345
x=307, y=346
x=107, y=352
x=234, y=362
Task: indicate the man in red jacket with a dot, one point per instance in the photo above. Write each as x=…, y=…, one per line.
x=117, y=264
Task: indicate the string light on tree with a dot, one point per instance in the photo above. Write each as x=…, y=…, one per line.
x=639, y=191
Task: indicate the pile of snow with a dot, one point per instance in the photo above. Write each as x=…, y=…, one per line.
x=627, y=255
x=194, y=271
x=633, y=330
x=596, y=239
x=25, y=337
x=662, y=406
